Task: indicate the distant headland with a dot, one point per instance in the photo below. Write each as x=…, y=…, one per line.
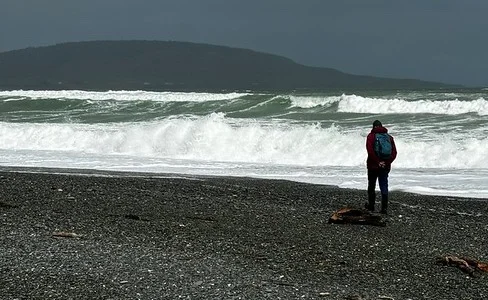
x=174, y=66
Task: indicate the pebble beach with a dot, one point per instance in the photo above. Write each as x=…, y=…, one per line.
x=100, y=235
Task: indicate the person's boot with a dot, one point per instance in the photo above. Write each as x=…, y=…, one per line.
x=371, y=200
x=384, y=204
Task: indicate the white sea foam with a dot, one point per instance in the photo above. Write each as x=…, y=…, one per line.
x=367, y=105
x=346, y=103
x=216, y=138
x=359, y=104
x=311, y=101
x=122, y=95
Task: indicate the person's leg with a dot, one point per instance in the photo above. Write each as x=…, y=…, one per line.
x=383, y=183
x=372, y=177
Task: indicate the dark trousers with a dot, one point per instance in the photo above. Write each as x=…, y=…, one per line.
x=380, y=175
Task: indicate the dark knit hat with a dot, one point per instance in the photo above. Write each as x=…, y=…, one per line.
x=377, y=123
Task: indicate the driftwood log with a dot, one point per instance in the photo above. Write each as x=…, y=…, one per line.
x=469, y=266
x=65, y=234
x=350, y=215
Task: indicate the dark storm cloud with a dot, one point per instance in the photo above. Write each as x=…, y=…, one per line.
x=433, y=40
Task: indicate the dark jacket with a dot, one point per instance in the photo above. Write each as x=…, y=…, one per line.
x=373, y=160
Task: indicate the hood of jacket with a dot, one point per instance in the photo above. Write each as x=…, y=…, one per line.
x=380, y=129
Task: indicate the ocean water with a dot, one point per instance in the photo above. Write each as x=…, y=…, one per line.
x=441, y=136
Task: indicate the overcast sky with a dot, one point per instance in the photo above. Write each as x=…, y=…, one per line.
x=438, y=40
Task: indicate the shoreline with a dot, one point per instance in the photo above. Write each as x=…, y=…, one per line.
x=137, y=174
x=202, y=237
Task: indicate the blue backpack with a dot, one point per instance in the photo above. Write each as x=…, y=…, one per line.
x=382, y=145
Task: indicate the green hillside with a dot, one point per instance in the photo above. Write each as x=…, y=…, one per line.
x=159, y=65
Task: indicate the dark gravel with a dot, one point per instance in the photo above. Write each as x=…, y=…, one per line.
x=143, y=237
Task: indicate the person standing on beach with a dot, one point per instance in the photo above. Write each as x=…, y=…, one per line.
x=381, y=153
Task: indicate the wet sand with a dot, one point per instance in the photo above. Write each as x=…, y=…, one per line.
x=139, y=236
